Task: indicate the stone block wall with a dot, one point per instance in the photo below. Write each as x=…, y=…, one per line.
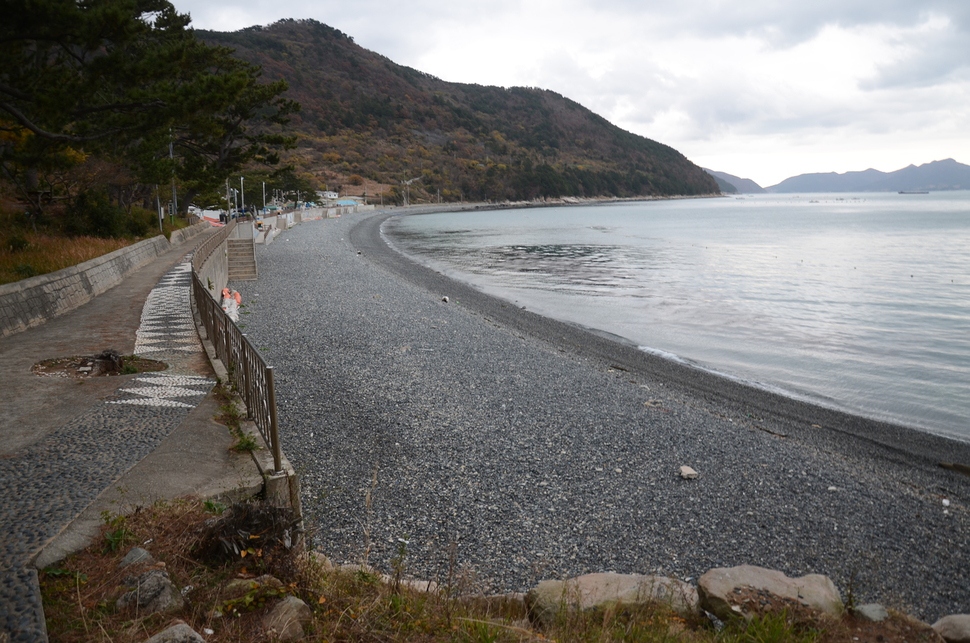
x=33, y=301
x=181, y=236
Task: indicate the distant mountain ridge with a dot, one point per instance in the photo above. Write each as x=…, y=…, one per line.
x=371, y=123
x=731, y=184
x=929, y=177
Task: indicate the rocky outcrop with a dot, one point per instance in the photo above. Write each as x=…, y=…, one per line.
x=747, y=591
x=954, y=628
x=592, y=591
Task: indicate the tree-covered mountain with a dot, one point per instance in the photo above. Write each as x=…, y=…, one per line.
x=370, y=122
x=935, y=176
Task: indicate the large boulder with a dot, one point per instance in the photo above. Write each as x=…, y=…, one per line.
x=178, y=633
x=954, y=628
x=137, y=556
x=747, y=591
x=593, y=591
x=287, y=619
x=153, y=592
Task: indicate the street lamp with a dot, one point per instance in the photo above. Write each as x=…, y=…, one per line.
x=242, y=193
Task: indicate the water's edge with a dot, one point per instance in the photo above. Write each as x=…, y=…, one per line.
x=812, y=422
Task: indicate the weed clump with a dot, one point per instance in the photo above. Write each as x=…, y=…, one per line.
x=232, y=416
x=257, y=535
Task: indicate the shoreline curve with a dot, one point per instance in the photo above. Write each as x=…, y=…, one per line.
x=534, y=449
x=924, y=447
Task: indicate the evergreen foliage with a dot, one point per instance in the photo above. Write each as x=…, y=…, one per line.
x=94, y=92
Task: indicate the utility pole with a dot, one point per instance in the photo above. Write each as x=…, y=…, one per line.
x=158, y=203
x=264, y=197
x=228, y=202
x=171, y=156
x=242, y=193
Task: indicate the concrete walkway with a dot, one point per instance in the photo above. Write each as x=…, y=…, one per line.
x=72, y=448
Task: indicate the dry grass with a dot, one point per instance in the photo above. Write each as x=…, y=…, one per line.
x=25, y=252
x=28, y=254
x=357, y=604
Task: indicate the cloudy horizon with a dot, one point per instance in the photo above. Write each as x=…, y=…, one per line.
x=760, y=89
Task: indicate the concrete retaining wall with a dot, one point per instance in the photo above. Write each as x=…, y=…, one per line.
x=214, y=273
x=31, y=302
x=181, y=236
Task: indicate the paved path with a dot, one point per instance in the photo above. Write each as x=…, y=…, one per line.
x=65, y=441
x=537, y=449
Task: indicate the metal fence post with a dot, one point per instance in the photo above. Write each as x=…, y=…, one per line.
x=274, y=433
x=247, y=377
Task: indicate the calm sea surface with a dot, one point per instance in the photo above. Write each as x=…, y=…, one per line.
x=859, y=302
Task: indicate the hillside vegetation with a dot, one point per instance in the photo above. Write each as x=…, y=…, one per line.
x=367, y=122
x=108, y=109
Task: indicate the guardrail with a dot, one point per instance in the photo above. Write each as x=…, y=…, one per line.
x=204, y=251
x=247, y=369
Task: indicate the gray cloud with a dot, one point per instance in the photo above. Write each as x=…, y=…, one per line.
x=701, y=75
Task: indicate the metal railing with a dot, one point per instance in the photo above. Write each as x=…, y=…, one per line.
x=247, y=370
x=204, y=251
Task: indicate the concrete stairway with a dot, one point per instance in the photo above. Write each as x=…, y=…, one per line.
x=242, y=260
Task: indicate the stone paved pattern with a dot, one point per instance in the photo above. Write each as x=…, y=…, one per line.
x=504, y=433
x=47, y=484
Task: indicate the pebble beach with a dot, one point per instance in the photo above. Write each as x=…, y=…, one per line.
x=486, y=444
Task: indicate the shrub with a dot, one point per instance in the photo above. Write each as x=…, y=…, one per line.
x=93, y=213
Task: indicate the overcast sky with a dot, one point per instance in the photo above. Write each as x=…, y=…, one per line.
x=757, y=88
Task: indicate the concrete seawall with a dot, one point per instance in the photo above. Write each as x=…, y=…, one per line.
x=33, y=301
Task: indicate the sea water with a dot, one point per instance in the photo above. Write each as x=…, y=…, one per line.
x=859, y=302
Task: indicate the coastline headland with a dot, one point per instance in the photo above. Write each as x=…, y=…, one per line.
x=535, y=449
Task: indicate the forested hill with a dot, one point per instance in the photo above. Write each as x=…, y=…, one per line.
x=366, y=119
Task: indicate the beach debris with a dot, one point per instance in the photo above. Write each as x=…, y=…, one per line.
x=653, y=403
x=687, y=473
x=956, y=466
x=445, y=299
x=833, y=489
x=946, y=502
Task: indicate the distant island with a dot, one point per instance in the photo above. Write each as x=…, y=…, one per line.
x=929, y=177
